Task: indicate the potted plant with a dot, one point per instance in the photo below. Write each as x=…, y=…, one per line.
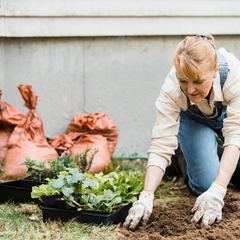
x=95, y=198
x=71, y=185
x=46, y=194
x=20, y=190
x=39, y=172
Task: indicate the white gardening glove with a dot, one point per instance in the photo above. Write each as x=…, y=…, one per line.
x=209, y=205
x=140, y=211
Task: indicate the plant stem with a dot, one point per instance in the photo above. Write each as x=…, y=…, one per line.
x=80, y=190
x=78, y=204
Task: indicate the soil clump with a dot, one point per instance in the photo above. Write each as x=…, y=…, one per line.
x=175, y=223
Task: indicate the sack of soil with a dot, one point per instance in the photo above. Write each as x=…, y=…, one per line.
x=27, y=139
x=77, y=143
x=98, y=124
x=9, y=118
x=61, y=143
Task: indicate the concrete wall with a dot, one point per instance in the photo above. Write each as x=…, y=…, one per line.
x=83, y=56
x=120, y=76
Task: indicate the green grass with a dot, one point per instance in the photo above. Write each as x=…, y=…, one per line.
x=127, y=165
x=15, y=224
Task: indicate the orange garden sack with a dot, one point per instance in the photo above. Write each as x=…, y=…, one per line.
x=76, y=143
x=61, y=143
x=27, y=139
x=9, y=118
x=95, y=131
x=4, y=136
x=102, y=159
x=98, y=124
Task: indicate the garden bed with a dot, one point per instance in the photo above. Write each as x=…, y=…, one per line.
x=175, y=223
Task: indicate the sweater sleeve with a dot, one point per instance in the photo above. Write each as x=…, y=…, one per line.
x=164, y=133
x=231, y=92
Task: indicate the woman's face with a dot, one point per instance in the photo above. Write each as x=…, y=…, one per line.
x=198, y=89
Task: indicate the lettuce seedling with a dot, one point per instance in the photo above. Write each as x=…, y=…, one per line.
x=71, y=184
x=44, y=190
x=97, y=192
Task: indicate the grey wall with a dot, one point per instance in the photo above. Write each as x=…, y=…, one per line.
x=119, y=76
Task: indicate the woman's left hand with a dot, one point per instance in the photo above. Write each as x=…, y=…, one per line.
x=209, y=205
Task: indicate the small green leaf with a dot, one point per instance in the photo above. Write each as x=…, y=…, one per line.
x=113, y=175
x=73, y=170
x=43, y=190
x=67, y=191
x=63, y=173
x=89, y=182
x=70, y=204
x=40, y=165
x=116, y=201
x=58, y=183
x=78, y=177
x=69, y=179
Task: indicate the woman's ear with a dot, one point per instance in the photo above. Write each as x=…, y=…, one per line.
x=217, y=68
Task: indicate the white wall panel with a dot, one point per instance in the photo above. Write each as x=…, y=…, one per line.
x=122, y=8
x=64, y=27
x=44, y=18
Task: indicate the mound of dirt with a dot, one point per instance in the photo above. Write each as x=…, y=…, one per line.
x=175, y=223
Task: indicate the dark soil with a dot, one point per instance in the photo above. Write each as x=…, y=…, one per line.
x=175, y=223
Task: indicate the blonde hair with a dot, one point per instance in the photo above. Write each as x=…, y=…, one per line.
x=194, y=51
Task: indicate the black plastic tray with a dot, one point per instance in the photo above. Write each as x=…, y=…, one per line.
x=29, y=178
x=61, y=204
x=86, y=216
x=17, y=191
x=50, y=201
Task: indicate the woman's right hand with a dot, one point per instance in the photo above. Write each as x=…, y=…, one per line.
x=140, y=211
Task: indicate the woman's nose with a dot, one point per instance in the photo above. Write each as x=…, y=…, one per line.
x=191, y=89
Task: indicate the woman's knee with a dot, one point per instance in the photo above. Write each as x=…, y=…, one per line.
x=201, y=184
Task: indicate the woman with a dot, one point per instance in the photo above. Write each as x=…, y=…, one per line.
x=199, y=98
